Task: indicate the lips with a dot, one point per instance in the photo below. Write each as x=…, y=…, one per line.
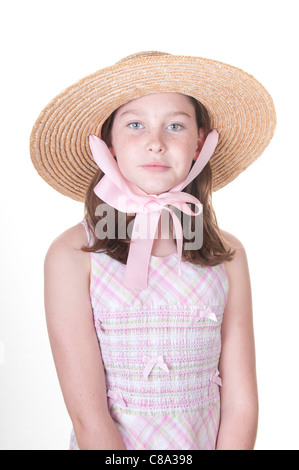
x=155, y=166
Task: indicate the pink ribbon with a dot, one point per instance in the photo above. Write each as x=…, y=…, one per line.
x=118, y=192
x=117, y=397
x=216, y=379
x=151, y=363
x=207, y=313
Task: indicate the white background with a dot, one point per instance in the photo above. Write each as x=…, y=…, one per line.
x=47, y=46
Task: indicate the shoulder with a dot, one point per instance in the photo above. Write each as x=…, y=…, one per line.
x=231, y=241
x=239, y=262
x=66, y=249
x=72, y=238
x=237, y=271
x=67, y=274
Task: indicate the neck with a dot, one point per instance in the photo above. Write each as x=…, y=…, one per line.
x=163, y=248
x=164, y=243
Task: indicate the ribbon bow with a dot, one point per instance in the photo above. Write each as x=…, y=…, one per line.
x=207, y=313
x=118, y=192
x=215, y=379
x=151, y=363
x=117, y=397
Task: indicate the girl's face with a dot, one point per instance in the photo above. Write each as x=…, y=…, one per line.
x=155, y=138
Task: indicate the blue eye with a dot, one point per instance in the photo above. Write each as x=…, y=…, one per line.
x=175, y=127
x=135, y=125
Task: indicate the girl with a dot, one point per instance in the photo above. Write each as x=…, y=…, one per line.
x=150, y=317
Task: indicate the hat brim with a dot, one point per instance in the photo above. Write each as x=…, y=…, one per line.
x=240, y=108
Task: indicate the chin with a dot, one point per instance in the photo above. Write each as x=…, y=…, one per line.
x=156, y=191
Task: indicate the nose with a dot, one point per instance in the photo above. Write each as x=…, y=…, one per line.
x=156, y=143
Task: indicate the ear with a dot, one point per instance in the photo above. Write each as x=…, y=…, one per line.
x=200, y=142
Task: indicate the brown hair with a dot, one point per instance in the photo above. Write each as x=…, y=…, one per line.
x=213, y=250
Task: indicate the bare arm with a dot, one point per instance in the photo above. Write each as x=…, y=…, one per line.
x=239, y=399
x=74, y=342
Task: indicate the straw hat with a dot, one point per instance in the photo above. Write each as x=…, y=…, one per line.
x=239, y=107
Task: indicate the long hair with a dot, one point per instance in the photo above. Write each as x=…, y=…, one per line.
x=212, y=251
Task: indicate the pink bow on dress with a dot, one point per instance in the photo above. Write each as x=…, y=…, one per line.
x=215, y=379
x=117, y=397
x=151, y=362
x=207, y=313
x=118, y=192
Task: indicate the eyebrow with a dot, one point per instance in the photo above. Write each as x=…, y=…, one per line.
x=131, y=111
x=171, y=113
x=180, y=113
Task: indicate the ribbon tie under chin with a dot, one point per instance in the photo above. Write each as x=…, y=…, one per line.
x=126, y=197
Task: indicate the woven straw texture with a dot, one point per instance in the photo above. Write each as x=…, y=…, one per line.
x=240, y=109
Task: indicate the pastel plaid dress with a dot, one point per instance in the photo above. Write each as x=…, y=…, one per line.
x=160, y=348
